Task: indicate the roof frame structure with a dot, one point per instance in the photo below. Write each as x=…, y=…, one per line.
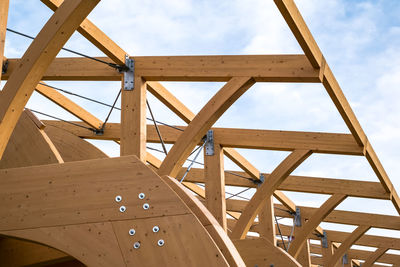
x=240, y=73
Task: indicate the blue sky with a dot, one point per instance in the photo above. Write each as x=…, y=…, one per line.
x=360, y=40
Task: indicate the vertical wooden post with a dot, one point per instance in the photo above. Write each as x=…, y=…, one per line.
x=304, y=256
x=215, y=184
x=133, y=120
x=3, y=28
x=266, y=221
x=328, y=250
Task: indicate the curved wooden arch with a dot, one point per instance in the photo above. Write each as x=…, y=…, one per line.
x=198, y=127
x=374, y=257
x=346, y=245
x=266, y=190
x=35, y=61
x=313, y=222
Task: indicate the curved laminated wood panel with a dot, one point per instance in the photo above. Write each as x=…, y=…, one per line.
x=28, y=146
x=73, y=206
x=71, y=147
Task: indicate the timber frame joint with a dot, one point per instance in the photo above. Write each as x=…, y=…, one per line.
x=297, y=218
x=4, y=67
x=129, y=73
x=209, y=146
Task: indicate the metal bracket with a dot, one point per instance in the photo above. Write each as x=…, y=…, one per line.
x=4, y=67
x=345, y=259
x=324, y=240
x=297, y=217
x=129, y=74
x=262, y=178
x=210, y=143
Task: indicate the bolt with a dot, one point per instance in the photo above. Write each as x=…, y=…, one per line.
x=156, y=229
x=132, y=232
x=118, y=198
x=136, y=245
x=160, y=243
x=141, y=196
x=122, y=209
x=146, y=206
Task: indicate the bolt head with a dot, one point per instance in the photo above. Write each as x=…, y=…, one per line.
x=122, y=209
x=132, y=231
x=160, y=242
x=142, y=196
x=136, y=245
x=146, y=206
x=118, y=198
x=156, y=229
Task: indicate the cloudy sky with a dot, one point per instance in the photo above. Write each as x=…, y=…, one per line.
x=360, y=40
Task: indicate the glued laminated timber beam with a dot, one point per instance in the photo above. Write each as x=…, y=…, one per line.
x=263, y=68
x=35, y=61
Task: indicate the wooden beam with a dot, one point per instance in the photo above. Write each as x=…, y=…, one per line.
x=215, y=185
x=208, y=115
x=300, y=30
x=266, y=190
x=374, y=257
x=288, y=141
x=252, y=139
x=3, y=29
x=357, y=254
x=68, y=105
x=317, y=217
x=354, y=218
x=95, y=36
x=133, y=120
x=267, y=222
x=346, y=245
x=169, y=100
x=268, y=68
x=264, y=68
x=35, y=61
x=186, y=115
x=72, y=69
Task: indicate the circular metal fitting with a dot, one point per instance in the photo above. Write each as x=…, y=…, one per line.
x=118, y=198
x=122, y=209
x=156, y=229
x=160, y=242
x=142, y=196
x=136, y=245
x=132, y=231
x=146, y=206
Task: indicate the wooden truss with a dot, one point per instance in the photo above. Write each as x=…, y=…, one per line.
x=63, y=201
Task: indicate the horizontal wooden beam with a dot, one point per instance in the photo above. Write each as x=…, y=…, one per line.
x=349, y=217
x=303, y=184
x=263, y=68
x=337, y=236
x=288, y=140
x=73, y=69
x=243, y=138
